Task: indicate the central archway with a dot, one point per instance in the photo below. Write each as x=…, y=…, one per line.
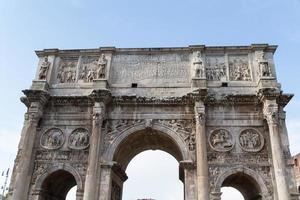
x=141, y=138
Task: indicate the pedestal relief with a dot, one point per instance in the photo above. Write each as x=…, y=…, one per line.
x=221, y=140
x=251, y=140
x=239, y=68
x=53, y=138
x=79, y=139
x=67, y=70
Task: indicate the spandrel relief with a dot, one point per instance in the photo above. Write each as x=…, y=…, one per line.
x=79, y=139
x=216, y=68
x=251, y=140
x=239, y=68
x=52, y=139
x=67, y=70
x=221, y=140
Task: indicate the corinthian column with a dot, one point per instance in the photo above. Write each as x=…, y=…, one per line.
x=271, y=114
x=35, y=101
x=92, y=180
x=201, y=152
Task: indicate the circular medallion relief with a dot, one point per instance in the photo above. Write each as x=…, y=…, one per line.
x=53, y=138
x=251, y=140
x=79, y=139
x=221, y=140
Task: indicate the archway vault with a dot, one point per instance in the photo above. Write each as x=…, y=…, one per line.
x=139, y=138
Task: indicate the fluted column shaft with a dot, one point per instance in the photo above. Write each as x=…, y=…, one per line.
x=201, y=152
x=93, y=171
x=271, y=115
x=22, y=181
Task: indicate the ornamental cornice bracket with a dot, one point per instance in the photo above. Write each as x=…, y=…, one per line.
x=199, y=94
x=284, y=99
x=101, y=95
x=268, y=93
x=37, y=96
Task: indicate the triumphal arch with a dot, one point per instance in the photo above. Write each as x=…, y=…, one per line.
x=217, y=110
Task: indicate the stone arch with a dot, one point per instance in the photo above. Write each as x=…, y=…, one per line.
x=247, y=181
x=182, y=151
x=67, y=175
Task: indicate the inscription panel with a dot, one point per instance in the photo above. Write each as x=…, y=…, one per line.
x=153, y=69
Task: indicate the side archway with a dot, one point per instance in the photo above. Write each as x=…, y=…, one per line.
x=248, y=182
x=55, y=182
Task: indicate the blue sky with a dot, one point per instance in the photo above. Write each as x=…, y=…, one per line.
x=29, y=25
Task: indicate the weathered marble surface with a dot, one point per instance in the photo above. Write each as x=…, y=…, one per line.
x=217, y=110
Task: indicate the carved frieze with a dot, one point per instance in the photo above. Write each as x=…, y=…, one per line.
x=251, y=140
x=79, y=139
x=44, y=68
x=239, y=68
x=221, y=140
x=215, y=68
x=67, y=70
x=44, y=155
x=238, y=158
x=53, y=138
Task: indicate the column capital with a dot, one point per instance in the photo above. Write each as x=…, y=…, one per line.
x=270, y=111
x=102, y=95
x=200, y=112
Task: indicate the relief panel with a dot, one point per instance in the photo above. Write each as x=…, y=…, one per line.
x=239, y=69
x=216, y=68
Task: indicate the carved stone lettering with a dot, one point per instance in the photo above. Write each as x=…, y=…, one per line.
x=150, y=69
x=221, y=140
x=52, y=139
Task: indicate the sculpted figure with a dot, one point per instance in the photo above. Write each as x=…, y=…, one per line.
x=53, y=139
x=101, y=66
x=61, y=75
x=263, y=64
x=44, y=68
x=221, y=140
x=79, y=139
x=199, y=68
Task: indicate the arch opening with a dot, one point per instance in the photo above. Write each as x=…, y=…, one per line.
x=57, y=185
x=245, y=184
x=143, y=140
x=140, y=141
